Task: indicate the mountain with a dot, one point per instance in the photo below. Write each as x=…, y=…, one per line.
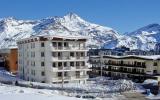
x=146, y=37
x=12, y=29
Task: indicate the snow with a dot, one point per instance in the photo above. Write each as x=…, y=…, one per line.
x=153, y=97
x=150, y=81
x=153, y=57
x=146, y=37
x=18, y=93
x=103, y=88
x=97, y=87
x=12, y=29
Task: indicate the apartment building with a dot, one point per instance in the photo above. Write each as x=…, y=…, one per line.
x=133, y=67
x=53, y=59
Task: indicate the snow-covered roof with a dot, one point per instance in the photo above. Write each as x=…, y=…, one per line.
x=67, y=37
x=49, y=37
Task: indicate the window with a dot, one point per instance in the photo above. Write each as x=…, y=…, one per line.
x=65, y=64
x=59, y=74
x=83, y=63
x=32, y=63
x=155, y=71
x=42, y=64
x=42, y=44
x=32, y=45
x=42, y=54
x=155, y=64
x=65, y=44
x=33, y=72
x=72, y=54
x=59, y=54
x=82, y=54
x=77, y=64
x=65, y=74
x=54, y=54
x=53, y=64
x=59, y=64
x=77, y=73
x=42, y=73
x=72, y=64
x=32, y=54
x=54, y=44
x=59, y=44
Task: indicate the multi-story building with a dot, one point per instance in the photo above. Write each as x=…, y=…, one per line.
x=134, y=67
x=53, y=59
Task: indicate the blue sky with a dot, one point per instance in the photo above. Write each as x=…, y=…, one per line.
x=122, y=15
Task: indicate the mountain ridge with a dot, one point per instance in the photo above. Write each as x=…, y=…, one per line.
x=12, y=29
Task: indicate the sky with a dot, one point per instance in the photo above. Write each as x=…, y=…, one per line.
x=121, y=15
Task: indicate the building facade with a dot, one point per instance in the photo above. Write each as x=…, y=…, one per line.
x=53, y=59
x=133, y=67
x=9, y=59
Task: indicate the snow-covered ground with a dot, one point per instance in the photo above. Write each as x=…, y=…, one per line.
x=100, y=88
x=8, y=92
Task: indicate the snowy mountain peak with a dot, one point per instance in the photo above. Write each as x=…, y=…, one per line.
x=72, y=16
x=12, y=29
x=149, y=28
x=146, y=37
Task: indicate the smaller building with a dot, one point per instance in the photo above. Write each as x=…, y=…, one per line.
x=131, y=66
x=9, y=59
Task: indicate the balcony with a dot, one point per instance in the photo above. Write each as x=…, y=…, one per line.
x=68, y=48
x=81, y=67
x=69, y=58
x=81, y=76
x=121, y=70
x=64, y=78
x=64, y=68
x=125, y=71
x=126, y=65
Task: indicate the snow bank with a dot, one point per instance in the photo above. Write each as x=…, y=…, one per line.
x=150, y=81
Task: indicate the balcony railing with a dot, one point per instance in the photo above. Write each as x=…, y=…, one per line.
x=127, y=65
x=68, y=48
x=64, y=78
x=121, y=70
x=81, y=67
x=81, y=76
x=64, y=68
x=69, y=58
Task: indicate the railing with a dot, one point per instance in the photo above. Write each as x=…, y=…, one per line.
x=68, y=58
x=127, y=65
x=64, y=68
x=81, y=76
x=120, y=70
x=64, y=78
x=68, y=48
x=81, y=67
